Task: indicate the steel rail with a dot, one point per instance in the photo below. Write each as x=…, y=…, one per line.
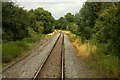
x=62, y=60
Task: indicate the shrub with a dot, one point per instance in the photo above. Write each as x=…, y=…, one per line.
x=107, y=64
x=30, y=39
x=10, y=51
x=24, y=46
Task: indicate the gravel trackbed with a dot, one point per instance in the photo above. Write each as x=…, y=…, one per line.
x=27, y=67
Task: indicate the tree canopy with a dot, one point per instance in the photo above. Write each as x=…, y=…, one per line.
x=16, y=21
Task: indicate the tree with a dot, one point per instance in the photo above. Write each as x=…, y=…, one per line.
x=106, y=27
x=61, y=24
x=14, y=27
x=86, y=18
x=73, y=27
x=16, y=24
x=46, y=18
x=69, y=17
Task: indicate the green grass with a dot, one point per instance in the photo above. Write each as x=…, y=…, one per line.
x=30, y=39
x=10, y=51
x=13, y=49
x=107, y=64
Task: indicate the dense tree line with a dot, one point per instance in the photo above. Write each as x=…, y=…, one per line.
x=68, y=22
x=99, y=21
x=14, y=27
x=86, y=18
x=17, y=21
x=96, y=21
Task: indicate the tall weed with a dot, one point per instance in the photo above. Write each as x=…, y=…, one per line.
x=10, y=51
x=99, y=57
x=107, y=64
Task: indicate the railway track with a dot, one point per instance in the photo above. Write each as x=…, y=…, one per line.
x=56, y=59
x=51, y=66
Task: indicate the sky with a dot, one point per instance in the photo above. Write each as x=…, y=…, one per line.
x=57, y=8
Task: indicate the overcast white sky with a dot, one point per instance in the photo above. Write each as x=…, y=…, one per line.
x=57, y=8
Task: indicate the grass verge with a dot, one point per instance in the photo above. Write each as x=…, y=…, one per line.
x=13, y=50
x=95, y=57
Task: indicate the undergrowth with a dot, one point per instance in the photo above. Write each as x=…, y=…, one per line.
x=95, y=57
x=14, y=49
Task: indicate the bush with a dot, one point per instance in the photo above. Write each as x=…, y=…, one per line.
x=30, y=39
x=107, y=64
x=10, y=51
x=98, y=57
x=24, y=46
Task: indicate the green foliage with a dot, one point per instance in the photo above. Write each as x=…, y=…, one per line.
x=22, y=44
x=67, y=23
x=99, y=23
x=60, y=23
x=46, y=19
x=70, y=23
x=69, y=17
x=39, y=27
x=106, y=27
x=86, y=18
x=21, y=28
x=16, y=24
x=73, y=27
x=14, y=27
x=30, y=39
x=34, y=36
x=107, y=64
x=10, y=51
